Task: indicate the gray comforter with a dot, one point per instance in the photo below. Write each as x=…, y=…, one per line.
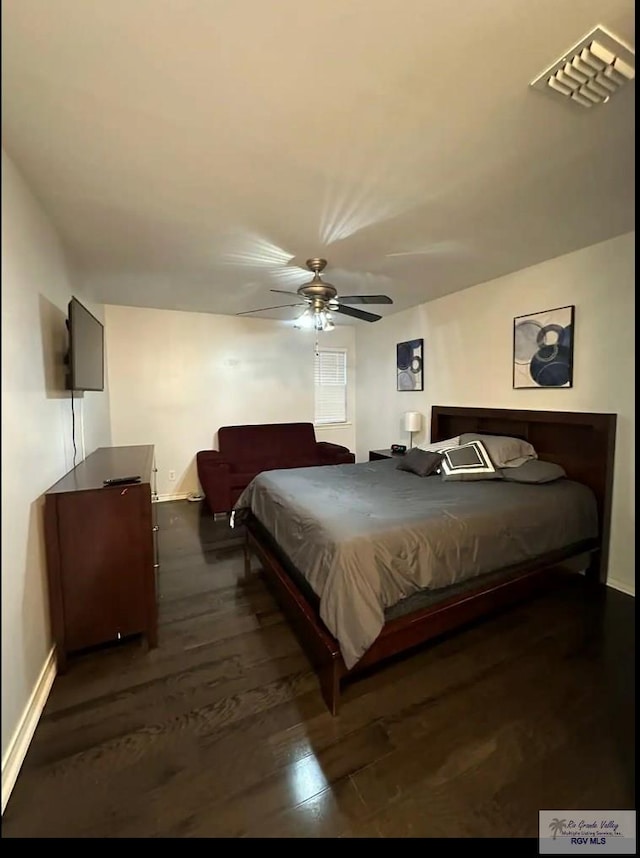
x=366, y=536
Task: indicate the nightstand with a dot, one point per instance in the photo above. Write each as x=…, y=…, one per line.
x=374, y=455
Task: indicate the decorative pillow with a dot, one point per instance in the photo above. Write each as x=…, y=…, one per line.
x=505, y=452
x=534, y=471
x=439, y=445
x=469, y=461
x=420, y=462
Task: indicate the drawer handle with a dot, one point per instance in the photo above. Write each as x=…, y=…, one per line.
x=156, y=565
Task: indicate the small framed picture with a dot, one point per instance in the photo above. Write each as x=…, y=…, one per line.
x=543, y=348
x=409, y=365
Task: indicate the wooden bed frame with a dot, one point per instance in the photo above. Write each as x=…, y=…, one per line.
x=582, y=443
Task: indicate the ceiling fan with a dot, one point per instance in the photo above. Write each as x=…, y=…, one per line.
x=320, y=299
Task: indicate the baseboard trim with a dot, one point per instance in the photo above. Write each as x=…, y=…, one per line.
x=21, y=739
x=623, y=588
x=180, y=496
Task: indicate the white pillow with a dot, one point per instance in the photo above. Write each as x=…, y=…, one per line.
x=504, y=451
x=468, y=462
x=440, y=445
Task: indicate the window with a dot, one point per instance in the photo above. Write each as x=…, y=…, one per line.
x=331, y=386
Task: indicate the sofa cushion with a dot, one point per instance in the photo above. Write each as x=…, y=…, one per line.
x=240, y=479
x=264, y=463
x=296, y=462
x=245, y=474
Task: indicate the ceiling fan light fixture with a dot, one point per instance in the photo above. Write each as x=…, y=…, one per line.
x=314, y=320
x=323, y=321
x=305, y=321
x=327, y=321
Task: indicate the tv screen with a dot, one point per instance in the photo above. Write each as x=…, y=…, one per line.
x=86, y=349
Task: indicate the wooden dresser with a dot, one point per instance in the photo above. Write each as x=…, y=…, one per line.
x=101, y=551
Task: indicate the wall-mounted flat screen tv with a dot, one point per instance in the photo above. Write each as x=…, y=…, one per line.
x=86, y=349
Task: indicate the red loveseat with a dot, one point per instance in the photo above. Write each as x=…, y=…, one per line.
x=246, y=451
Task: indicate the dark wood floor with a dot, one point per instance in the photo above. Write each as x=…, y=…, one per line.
x=221, y=731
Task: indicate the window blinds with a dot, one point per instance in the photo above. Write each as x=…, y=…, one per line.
x=330, y=386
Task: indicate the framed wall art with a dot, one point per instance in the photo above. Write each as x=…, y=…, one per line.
x=409, y=365
x=543, y=348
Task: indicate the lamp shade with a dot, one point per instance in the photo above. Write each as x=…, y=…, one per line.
x=412, y=421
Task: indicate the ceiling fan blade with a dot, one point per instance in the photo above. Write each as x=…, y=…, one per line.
x=357, y=314
x=284, y=292
x=366, y=299
x=264, y=309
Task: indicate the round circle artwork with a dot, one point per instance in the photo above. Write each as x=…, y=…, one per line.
x=549, y=335
x=550, y=366
x=543, y=349
x=409, y=365
x=404, y=356
x=405, y=381
x=525, y=341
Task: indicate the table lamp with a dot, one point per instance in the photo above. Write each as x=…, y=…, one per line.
x=412, y=423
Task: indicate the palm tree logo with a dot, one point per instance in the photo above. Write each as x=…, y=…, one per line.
x=557, y=825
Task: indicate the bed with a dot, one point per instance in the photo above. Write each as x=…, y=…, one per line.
x=368, y=562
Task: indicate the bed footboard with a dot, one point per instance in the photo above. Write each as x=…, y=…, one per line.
x=321, y=647
x=405, y=632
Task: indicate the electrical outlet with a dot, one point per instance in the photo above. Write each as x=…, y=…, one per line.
x=172, y=475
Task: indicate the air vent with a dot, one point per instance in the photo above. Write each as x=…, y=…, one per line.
x=591, y=72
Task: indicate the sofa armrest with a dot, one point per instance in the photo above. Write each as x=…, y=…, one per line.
x=211, y=457
x=334, y=454
x=213, y=473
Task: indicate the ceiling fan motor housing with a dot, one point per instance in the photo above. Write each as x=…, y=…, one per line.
x=317, y=291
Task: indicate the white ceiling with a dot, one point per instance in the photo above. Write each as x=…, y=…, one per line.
x=193, y=153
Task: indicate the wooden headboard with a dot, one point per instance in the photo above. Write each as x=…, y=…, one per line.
x=584, y=444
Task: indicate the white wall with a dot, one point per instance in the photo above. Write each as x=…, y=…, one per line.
x=36, y=431
x=468, y=361
x=176, y=377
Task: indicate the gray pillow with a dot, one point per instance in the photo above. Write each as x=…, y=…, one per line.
x=468, y=462
x=505, y=451
x=436, y=446
x=420, y=462
x=534, y=471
